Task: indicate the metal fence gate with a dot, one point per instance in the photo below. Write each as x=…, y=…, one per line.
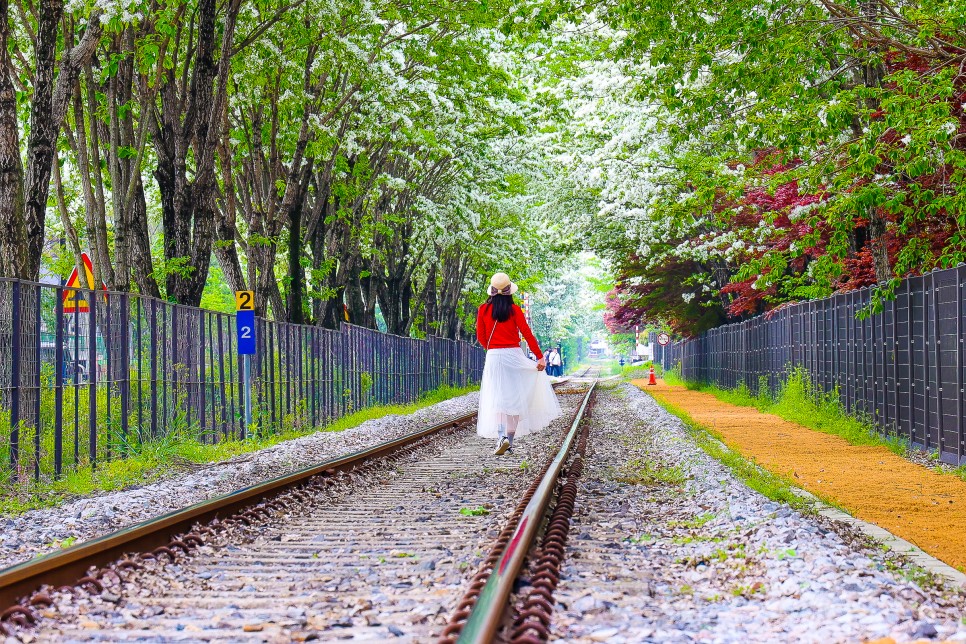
x=903, y=368
x=87, y=378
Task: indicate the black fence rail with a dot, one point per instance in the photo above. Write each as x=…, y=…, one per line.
x=902, y=368
x=89, y=377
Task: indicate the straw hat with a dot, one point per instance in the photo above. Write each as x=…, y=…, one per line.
x=500, y=284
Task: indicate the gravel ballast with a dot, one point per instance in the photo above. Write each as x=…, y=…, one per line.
x=382, y=555
x=668, y=546
x=39, y=531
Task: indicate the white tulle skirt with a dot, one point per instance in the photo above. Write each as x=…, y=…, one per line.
x=513, y=389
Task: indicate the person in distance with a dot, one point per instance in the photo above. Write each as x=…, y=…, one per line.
x=516, y=397
x=553, y=363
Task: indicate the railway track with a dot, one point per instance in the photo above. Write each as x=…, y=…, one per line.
x=378, y=544
x=590, y=372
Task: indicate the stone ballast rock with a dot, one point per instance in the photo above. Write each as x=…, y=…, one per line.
x=40, y=531
x=710, y=559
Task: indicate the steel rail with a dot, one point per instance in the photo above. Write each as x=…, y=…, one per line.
x=484, y=621
x=69, y=566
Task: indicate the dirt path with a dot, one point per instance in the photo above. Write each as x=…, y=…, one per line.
x=924, y=507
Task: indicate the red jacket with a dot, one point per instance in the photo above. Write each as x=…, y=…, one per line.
x=507, y=333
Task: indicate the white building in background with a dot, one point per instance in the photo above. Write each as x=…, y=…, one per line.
x=598, y=349
x=645, y=351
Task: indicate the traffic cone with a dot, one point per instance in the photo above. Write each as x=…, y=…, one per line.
x=651, y=379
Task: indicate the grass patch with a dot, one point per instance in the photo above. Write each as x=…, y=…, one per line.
x=641, y=371
x=774, y=487
x=693, y=524
x=644, y=538
x=474, y=512
x=177, y=451
x=645, y=472
x=799, y=401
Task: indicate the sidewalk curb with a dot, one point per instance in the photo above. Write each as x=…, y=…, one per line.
x=903, y=547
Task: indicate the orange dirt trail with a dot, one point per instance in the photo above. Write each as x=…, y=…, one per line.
x=921, y=506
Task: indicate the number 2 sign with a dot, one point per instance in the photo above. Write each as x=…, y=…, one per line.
x=245, y=321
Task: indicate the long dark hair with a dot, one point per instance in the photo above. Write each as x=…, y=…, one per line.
x=501, y=307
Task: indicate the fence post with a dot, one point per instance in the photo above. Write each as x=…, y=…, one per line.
x=92, y=376
x=875, y=372
x=154, y=368
x=910, y=387
x=884, y=337
x=939, y=382
x=961, y=440
x=202, y=381
x=140, y=360
x=926, y=434
x=125, y=370
x=108, y=377
x=15, y=377
x=59, y=383
x=38, y=426
x=174, y=356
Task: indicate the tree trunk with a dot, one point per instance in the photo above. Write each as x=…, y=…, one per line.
x=226, y=250
x=70, y=230
x=43, y=133
x=47, y=110
x=873, y=72
x=296, y=274
x=430, y=303
x=189, y=128
x=94, y=207
x=879, y=245
x=13, y=227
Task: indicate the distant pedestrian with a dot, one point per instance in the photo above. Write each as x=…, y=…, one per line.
x=516, y=398
x=554, y=362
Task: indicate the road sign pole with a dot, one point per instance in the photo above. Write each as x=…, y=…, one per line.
x=248, y=394
x=245, y=326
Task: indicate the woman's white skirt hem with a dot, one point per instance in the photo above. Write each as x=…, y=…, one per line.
x=512, y=387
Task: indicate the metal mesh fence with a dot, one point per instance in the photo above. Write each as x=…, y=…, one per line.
x=902, y=368
x=91, y=377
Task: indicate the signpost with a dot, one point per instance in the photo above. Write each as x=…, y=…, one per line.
x=663, y=339
x=73, y=297
x=245, y=326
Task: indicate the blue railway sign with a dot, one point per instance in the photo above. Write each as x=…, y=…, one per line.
x=245, y=322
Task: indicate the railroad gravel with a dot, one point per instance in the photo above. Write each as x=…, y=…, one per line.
x=382, y=557
x=39, y=532
x=667, y=545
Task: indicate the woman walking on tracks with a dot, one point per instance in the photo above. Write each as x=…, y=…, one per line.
x=516, y=397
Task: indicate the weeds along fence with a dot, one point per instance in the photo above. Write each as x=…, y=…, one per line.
x=902, y=368
x=87, y=378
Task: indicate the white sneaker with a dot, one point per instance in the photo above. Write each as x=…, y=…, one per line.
x=502, y=447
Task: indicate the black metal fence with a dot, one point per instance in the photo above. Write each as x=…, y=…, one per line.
x=903, y=368
x=87, y=378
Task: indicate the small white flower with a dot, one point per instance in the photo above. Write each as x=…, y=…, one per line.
x=906, y=140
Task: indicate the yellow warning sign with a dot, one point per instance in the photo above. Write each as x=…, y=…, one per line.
x=244, y=301
x=74, y=300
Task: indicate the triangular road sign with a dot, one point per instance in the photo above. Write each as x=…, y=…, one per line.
x=74, y=301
